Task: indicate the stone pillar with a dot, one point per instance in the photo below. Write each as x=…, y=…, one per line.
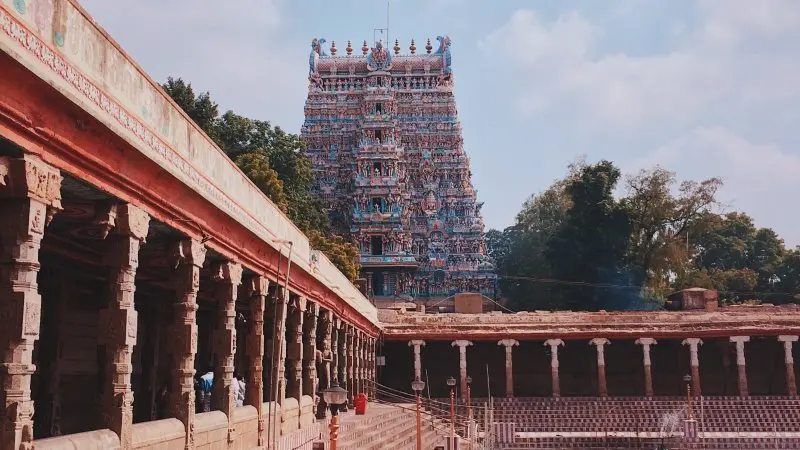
x=357, y=362
x=554, y=343
x=310, y=350
x=373, y=368
x=30, y=193
x=294, y=347
x=341, y=368
x=694, y=363
x=227, y=277
x=509, y=345
x=417, y=344
x=189, y=257
x=791, y=384
x=335, y=350
x=278, y=346
x=741, y=363
x=648, y=374
x=600, y=343
x=257, y=288
x=324, y=358
x=462, y=363
x=118, y=322
x=351, y=389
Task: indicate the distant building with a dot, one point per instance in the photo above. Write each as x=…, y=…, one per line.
x=385, y=141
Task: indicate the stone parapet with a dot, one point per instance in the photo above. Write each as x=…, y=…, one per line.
x=729, y=321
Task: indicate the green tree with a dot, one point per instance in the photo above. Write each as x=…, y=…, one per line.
x=661, y=220
x=342, y=253
x=256, y=166
x=590, y=246
x=199, y=108
x=274, y=161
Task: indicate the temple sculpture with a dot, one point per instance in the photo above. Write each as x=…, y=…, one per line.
x=385, y=142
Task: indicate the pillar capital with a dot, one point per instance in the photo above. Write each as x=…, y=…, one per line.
x=788, y=338
x=554, y=343
x=461, y=343
x=738, y=339
x=599, y=342
x=257, y=285
x=30, y=177
x=693, y=343
x=227, y=272
x=416, y=343
x=646, y=342
x=508, y=343
x=189, y=252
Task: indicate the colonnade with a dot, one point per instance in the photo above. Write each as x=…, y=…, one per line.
x=305, y=337
x=646, y=343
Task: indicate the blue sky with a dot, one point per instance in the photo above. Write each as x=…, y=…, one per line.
x=703, y=87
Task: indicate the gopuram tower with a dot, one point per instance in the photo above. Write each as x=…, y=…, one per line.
x=384, y=138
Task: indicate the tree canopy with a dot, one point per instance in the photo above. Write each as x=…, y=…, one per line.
x=576, y=246
x=273, y=159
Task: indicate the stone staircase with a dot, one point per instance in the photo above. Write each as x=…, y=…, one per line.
x=389, y=427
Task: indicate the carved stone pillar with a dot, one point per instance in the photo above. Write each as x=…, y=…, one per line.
x=257, y=288
x=324, y=358
x=741, y=363
x=357, y=363
x=294, y=347
x=462, y=364
x=30, y=193
x=791, y=384
x=118, y=322
x=279, y=335
x=335, y=350
x=342, y=366
x=310, y=350
x=600, y=343
x=189, y=257
x=417, y=344
x=509, y=345
x=373, y=368
x=648, y=374
x=694, y=363
x=556, y=383
x=227, y=277
x=351, y=346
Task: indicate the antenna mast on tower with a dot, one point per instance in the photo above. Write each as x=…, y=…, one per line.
x=382, y=30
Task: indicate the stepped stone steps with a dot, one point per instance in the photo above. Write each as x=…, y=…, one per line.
x=363, y=433
x=375, y=437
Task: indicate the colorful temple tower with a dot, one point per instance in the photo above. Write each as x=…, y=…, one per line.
x=384, y=138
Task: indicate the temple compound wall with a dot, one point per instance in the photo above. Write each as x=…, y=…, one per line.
x=385, y=141
x=134, y=256
x=732, y=351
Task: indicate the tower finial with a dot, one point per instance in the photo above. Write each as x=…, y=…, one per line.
x=333, y=48
x=428, y=46
x=413, y=47
x=364, y=48
x=396, y=47
x=349, y=48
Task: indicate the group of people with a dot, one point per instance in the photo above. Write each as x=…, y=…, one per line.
x=203, y=384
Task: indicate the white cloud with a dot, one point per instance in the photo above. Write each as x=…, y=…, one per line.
x=716, y=97
x=720, y=61
x=234, y=49
x=761, y=179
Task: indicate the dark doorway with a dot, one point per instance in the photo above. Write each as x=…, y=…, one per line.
x=377, y=245
x=377, y=283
